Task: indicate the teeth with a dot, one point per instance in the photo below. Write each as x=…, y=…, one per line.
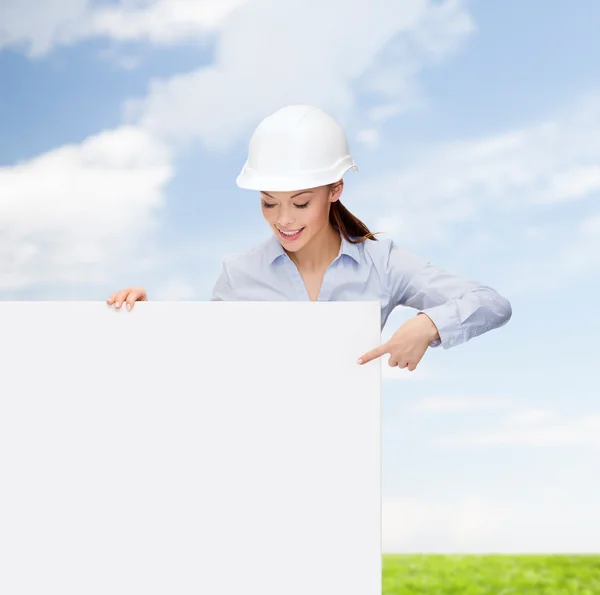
x=289, y=233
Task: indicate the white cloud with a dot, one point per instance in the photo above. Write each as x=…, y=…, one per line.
x=309, y=55
x=531, y=416
x=518, y=171
x=369, y=137
x=549, y=516
x=68, y=214
x=576, y=182
x=535, y=233
x=159, y=21
x=418, y=525
x=539, y=430
x=557, y=255
x=442, y=28
x=395, y=373
x=582, y=253
x=39, y=27
x=175, y=289
x=460, y=403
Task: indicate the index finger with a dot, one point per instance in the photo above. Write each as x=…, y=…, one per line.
x=373, y=354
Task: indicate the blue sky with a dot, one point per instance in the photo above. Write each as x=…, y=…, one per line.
x=476, y=128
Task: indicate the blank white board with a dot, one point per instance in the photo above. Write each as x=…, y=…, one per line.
x=189, y=448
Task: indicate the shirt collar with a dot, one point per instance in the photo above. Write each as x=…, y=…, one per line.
x=275, y=249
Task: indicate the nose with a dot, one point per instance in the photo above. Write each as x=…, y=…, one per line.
x=286, y=218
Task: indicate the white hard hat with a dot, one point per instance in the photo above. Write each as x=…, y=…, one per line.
x=297, y=147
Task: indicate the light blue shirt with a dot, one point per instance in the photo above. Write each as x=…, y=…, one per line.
x=370, y=271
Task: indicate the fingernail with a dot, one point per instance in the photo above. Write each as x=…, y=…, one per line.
x=129, y=306
x=117, y=304
x=359, y=361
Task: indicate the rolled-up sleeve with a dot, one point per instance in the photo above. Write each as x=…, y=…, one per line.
x=223, y=290
x=460, y=308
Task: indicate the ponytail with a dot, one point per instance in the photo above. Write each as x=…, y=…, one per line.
x=352, y=228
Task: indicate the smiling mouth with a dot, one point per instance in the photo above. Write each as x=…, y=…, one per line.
x=290, y=234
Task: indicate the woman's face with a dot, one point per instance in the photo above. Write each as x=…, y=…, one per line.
x=297, y=217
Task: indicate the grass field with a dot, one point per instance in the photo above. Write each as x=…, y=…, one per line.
x=491, y=575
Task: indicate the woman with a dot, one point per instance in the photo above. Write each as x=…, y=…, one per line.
x=320, y=251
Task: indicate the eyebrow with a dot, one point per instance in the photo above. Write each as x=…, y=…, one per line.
x=294, y=196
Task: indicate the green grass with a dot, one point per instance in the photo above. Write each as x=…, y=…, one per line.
x=491, y=575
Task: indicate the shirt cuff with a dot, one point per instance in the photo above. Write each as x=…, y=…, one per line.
x=450, y=330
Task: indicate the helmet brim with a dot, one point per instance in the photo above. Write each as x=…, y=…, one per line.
x=250, y=179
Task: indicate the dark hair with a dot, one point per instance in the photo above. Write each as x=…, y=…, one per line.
x=352, y=228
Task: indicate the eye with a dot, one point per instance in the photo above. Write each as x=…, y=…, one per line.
x=302, y=206
x=266, y=205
